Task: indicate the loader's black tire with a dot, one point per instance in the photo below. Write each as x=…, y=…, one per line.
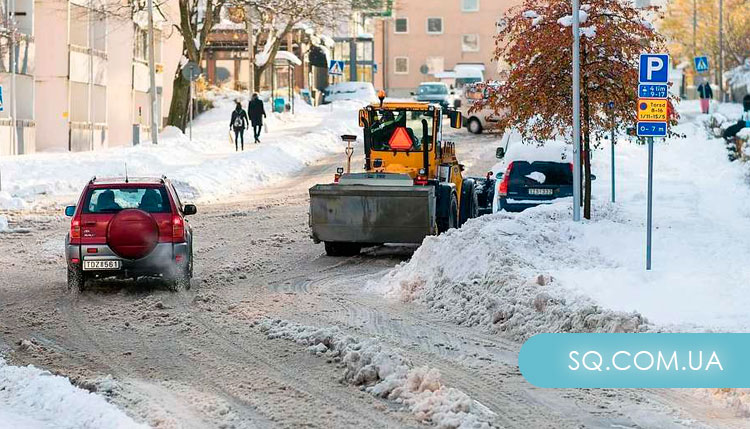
x=446, y=223
x=469, y=202
x=342, y=249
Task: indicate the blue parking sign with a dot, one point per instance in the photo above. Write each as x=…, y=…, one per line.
x=653, y=68
x=653, y=91
x=652, y=129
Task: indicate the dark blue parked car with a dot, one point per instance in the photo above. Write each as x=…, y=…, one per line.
x=527, y=184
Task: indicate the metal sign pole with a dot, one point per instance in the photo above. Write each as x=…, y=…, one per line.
x=649, y=213
x=613, y=155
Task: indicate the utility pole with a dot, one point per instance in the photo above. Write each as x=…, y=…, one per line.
x=576, y=115
x=90, y=100
x=152, y=73
x=721, y=51
x=250, y=51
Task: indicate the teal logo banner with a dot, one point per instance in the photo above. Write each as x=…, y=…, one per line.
x=636, y=360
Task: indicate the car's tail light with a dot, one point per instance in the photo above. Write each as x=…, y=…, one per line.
x=336, y=178
x=75, y=230
x=178, y=229
x=502, y=190
x=571, y=166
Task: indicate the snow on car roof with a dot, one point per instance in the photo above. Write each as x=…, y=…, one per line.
x=551, y=151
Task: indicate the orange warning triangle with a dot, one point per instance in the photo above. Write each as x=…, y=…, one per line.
x=400, y=139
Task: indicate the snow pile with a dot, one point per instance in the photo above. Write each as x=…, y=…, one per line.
x=9, y=202
x=33, y=398
x=4, y=224
x=386, y=374
x=363, y=91
x=537, y=271
x=204, y=169
x=495, y=273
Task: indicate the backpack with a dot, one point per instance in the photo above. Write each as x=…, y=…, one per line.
x=238, y=122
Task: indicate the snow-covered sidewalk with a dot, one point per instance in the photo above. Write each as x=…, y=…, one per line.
x=538, y=271
x=205, y=169
x=35, y=399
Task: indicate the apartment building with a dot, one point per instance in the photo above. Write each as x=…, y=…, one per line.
x=429, y=41
x=17, y=114
x=81, y=74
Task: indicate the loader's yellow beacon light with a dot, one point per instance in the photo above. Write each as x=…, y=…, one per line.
x=381, y=97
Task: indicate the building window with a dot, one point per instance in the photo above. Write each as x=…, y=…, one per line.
x=470, y=43
x=401, y=65
x=469, y=5
x=434, y=25
x=401, y=26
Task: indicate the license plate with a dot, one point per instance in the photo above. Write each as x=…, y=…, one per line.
x=540, y=191
x=101, y=265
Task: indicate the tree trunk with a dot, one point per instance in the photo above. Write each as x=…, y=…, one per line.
x=586, y=142
x=178, y=109
x=258, y=72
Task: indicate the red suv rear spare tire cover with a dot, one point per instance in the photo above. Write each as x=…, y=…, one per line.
x=132, y=233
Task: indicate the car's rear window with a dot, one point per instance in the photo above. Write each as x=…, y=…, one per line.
x=112, y=200
x=541, y=173
x=432, y=90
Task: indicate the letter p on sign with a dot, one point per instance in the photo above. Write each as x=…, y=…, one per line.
x=654, y=68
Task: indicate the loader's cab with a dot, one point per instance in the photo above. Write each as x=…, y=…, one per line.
x=407, y=138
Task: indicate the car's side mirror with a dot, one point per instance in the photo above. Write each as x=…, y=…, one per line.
x=412, y=93
x=500, y=153
x=456, y=118
x=593, y=177
x=70, y=211
x=453, y=92
x=189, y=209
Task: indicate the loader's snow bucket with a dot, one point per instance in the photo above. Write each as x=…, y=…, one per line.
x=372, y=214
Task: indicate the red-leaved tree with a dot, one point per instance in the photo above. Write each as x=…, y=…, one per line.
x=536, y=43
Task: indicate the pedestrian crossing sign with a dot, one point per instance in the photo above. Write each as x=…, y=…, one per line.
x=335, y=67
x=701, y=64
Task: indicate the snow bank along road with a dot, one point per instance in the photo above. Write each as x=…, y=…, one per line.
x=214, y=356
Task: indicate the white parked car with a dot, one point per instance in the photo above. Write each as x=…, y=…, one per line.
x=481, y=120
x=363, y=91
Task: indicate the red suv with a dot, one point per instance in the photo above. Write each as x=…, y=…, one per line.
x=129, y=228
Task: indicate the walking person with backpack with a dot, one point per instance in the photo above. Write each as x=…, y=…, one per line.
x=238, y=123
x=256, y=112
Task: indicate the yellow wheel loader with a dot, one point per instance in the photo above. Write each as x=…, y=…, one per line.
x=412, y=185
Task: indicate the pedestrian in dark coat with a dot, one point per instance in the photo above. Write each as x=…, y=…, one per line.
x=256, y=112
x=706, y=94
x=238, y=123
